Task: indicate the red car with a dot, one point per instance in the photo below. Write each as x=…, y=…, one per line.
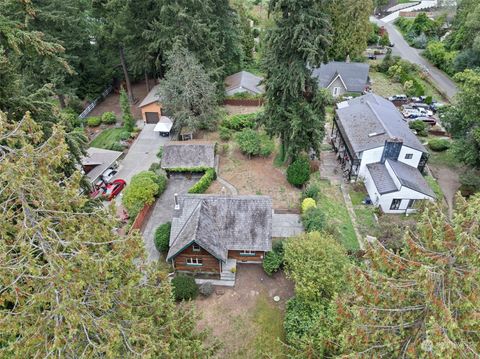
x=114, y=188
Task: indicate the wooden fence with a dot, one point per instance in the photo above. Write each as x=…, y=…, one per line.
x=142, y=216
x=243, y=102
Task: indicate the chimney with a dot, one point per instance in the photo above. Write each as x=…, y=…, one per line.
x=177, y=204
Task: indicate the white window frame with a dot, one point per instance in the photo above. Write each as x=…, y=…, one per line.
x=196, y=247
x=247, y=253
x=195, y=262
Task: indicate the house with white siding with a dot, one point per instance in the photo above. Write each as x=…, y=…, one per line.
x=374, y=143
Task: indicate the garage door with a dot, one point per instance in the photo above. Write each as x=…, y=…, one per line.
x=152, y=117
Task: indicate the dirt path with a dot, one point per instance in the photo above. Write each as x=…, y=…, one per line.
x=449, y=182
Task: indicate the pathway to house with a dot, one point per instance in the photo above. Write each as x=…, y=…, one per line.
x=230, y=187
x=163, y=211
x=449, y=182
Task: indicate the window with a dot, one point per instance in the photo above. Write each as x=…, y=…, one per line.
x=336, y=91
x=411, y=203
x=247, y=253
x=409, y=156
x=196, y=247
x=194, y=261
x=395, y=204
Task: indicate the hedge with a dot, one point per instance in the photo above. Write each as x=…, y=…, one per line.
x=189, y=169
x=314, y=220
x=184, y=287
x=274, y=259
x=93, y=121
x=202, y=185
x=240, y=121
x=142, y=190
x=162, y=237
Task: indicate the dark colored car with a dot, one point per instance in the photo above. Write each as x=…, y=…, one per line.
x=372, y=56
x=114, y=188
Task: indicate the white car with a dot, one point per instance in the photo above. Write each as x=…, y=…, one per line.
x=108, y=174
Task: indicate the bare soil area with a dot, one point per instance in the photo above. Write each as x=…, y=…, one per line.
x=233, y=110
x=242, y=318
x=449, y=181
x=256, y=176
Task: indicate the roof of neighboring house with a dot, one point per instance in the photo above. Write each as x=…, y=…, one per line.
x=101, y=159
x=353, y=74
x=366, y=122
x=245, y=80
x=219, y=224
x=151, y=97
x=188, y=155
x=408, y=176
x=411, y=177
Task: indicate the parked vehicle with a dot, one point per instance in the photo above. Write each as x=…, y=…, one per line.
x=428, y=120
x=402, y=98
x=114, y=188
x=108, y=174
x=436, y=106
x=423, y=107
x=372, y=56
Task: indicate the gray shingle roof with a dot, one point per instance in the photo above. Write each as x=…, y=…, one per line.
x=381, y=178
x=369, y=120
x=219, y=224
x=151, y=97
x=245, y=80
x=188, y=155
x=411, y=177
x=353, y=74
x=101, y=159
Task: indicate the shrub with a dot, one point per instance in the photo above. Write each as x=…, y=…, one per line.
x=240, y=122
x=419, y=126
x=225, y=133
x=184, y=287
x=124, y=136
x=273, y=260
x=160, y=153
x=109, y=118
x=308, y=203
x=162, y=237
x=155, y=167
x=115, y=147
x=142, y=190
x=314, y=220
x=93, y=121
x=470, y=182
x=252, y=143
x=312, y=191
x=299, y=171
x=439, y=144
x=161, y=180
x=206, y=289
x=202, y=185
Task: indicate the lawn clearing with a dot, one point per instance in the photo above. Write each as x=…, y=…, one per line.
x=330, y=200
x=108, y=138
x=383, y=85
x=367, y=225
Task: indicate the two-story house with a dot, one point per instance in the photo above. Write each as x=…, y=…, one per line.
x=374, y=143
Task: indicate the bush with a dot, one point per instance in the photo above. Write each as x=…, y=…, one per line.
x=312, y=191
x=252, y=143
x=162, y=237
x=299, y=171
x=156, y=168
x=240, y=122
x=93, y=121
x=160, y=153
x=308, y=203
x=115, y=147
x=124, y=135
x=273, y=260
x=206, y=289
x=314, y=220
x=225, y=133
x=470, y=182
x=142, y=190
x=419, y=126
x=109, y=118
x=202, y=185
x=439, y=144
x=184, y=287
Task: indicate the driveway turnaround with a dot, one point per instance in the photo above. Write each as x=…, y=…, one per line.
x=286, y=225
x=163, y=210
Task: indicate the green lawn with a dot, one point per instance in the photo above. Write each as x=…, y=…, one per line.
x=330, y=200
x=446, y=158
x=433, y=183
x=109, y=138
x=364, y=213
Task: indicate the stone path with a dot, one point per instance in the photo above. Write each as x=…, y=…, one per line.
x=231, y=188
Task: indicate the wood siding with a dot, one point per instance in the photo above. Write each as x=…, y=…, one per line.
x=258, y=257
x=210, y=263
x=153, y=107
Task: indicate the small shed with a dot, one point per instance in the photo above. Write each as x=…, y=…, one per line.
x=188, y=155
x=164, y=126
x=150, y=106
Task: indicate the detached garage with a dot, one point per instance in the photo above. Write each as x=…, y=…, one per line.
x=150, y=106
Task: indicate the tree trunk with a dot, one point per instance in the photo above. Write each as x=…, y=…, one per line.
x=61, y=100
x=147, y=82
x=125, y=74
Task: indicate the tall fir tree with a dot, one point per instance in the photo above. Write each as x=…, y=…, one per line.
x=70, y=286
x=297, y=42
x=127, y=117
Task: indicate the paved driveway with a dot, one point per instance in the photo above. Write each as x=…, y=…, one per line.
x=163, y=211
x=286, y=225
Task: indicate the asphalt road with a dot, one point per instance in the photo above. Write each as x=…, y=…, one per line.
x=411, y=54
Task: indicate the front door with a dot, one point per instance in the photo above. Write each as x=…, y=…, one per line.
x=152, y=117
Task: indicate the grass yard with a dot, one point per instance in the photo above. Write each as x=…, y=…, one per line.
x=330, y=200
x=446, y=158
x=108, y=138
x=366, y=222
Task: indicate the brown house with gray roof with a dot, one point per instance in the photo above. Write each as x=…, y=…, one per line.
x=211, y=232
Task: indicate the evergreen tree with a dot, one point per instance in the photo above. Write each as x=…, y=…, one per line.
x=187, y=92
x=350, y=27
x=295, y=109
x=423, y=302
x=70, y=286
x=127, y=117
